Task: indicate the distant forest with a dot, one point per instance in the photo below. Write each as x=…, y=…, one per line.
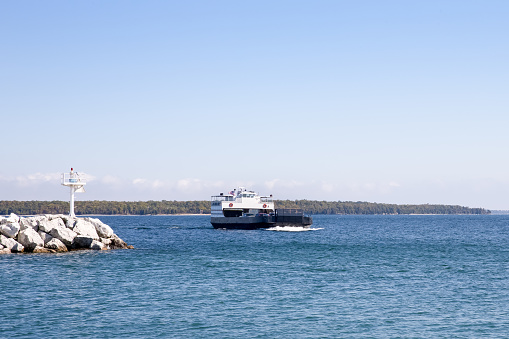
x=203, y=207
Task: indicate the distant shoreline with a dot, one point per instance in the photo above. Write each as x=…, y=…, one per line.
x=208, y=215
x=202, y=207
x=499, y=212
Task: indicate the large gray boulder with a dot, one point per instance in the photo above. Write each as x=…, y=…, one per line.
x=98, y=246
x=10, y=219
x=45, y=236
x=10, y=230
x=66, y=219
x=41, y=219
x=117, y=243
x=30, y=239
x=57, y=216
x=57, y=245
x=3, y=240
x=30, y=222
x=107, y=242
x=103, y=230
x=82, y=241
x=70, y=222
x=47, y=225
x=84, y=227
x=18, y=248
x=11, y=244
x=63, y=234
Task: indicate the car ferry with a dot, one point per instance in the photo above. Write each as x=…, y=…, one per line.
x=243, y=209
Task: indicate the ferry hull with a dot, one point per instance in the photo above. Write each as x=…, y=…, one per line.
x=281, y=218
x=244, y=223
x=304, y=221
x=241, y=226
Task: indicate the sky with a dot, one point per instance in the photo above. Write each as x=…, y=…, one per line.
x=383, y=101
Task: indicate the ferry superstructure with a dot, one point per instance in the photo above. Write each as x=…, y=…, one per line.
x=245, y=209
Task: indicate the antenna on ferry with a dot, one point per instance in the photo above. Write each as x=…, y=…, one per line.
x=75, y=183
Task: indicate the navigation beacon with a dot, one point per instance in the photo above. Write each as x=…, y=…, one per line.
x=75, y=183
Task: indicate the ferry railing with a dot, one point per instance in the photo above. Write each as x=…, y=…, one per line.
x=222, y=198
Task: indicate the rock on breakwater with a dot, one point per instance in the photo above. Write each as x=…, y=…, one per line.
x=56, y=233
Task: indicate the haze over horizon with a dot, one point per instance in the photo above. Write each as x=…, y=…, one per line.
x=380, y=101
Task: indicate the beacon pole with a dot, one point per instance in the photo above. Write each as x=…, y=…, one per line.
x=71, y=205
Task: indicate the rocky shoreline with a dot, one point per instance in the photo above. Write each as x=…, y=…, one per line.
x=56, y=233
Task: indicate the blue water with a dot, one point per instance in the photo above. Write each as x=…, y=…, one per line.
x=352, y=276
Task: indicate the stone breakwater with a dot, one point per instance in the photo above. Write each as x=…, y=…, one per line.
x=55, y=233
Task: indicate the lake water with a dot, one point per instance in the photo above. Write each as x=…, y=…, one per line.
x=350, y=276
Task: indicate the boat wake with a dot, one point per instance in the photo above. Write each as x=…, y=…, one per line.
x=292, y=229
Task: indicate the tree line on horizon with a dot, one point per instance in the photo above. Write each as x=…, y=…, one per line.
x=97, y=207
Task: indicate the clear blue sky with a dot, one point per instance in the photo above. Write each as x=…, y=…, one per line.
x=382, y=101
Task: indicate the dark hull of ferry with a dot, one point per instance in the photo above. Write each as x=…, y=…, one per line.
x=281, y=218
x=240, y=223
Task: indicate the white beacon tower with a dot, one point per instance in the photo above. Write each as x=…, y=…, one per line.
x=75, y=183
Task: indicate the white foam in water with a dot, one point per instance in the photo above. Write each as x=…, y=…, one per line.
x=292, y=229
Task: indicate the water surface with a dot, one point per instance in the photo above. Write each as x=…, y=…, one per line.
x=352, y=276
